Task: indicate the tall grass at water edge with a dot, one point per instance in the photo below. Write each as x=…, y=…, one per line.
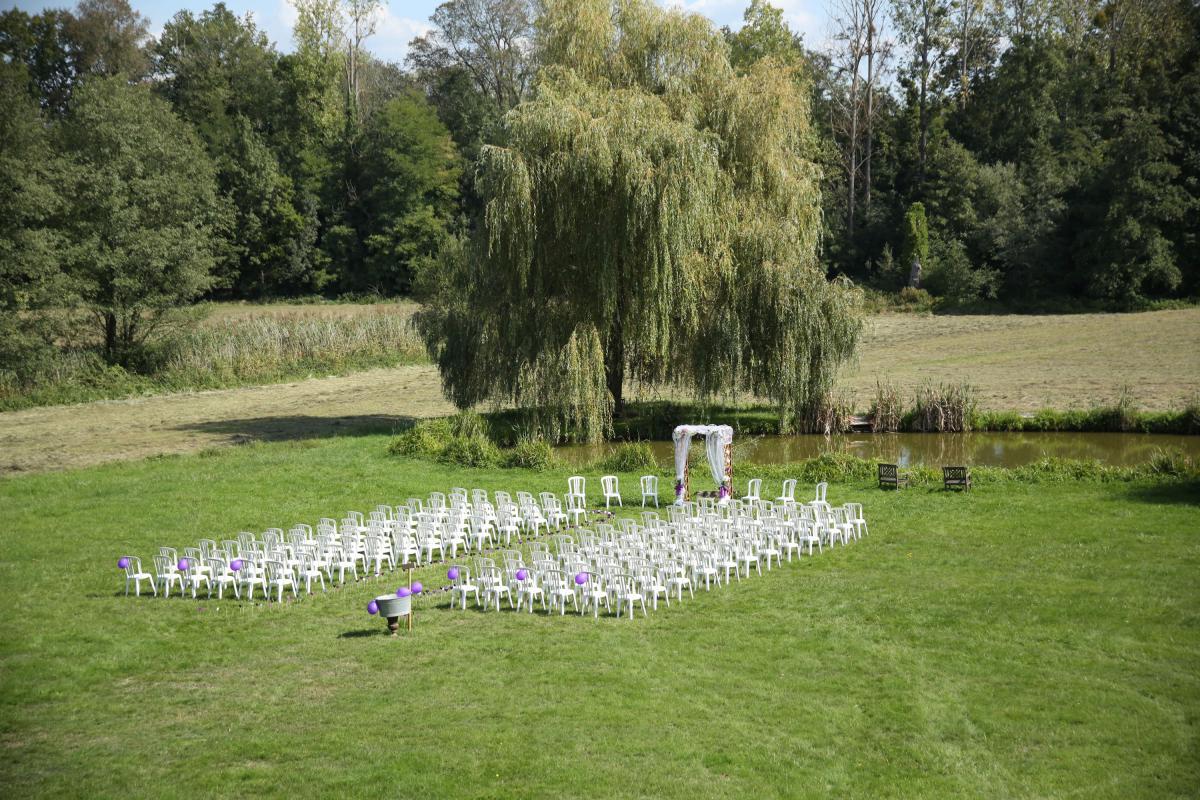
x=219, y=355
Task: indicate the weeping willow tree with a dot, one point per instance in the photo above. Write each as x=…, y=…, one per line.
x=650, y=217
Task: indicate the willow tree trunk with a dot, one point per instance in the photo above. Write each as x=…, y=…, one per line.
x=614, y=364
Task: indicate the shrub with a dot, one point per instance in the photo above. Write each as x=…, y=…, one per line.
x=425, y=439
x=469, y=424
x=530, y=453
x=916, y=240
x=1170, y=461
x=827, y=414
x=470, y=451
x=951, y=275
x=945, y=408
x=630, y=457
x=887, y=410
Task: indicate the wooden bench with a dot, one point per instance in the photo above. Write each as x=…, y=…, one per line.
x=956, y=478
x=890, y=475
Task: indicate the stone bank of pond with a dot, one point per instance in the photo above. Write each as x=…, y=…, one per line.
x=999, y=449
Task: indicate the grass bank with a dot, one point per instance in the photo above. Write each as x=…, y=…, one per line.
x=1020, y=639
x=233, y=346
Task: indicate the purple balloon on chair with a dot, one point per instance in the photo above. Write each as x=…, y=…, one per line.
x=522, y=574
x=372, y=607
x=403, y=591
x=580, y=578
x=452, y=574
x=417, y=588
x=123, y=562
x=183, y=565
x=236, y=564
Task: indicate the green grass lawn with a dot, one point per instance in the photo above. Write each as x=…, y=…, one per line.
x=1028, y=641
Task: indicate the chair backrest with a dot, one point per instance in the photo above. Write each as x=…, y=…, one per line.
x=789, y=489
x=887, y=472
x=753, y=488
x=133, y=565
x=649, y=484
x=608, y=484
x=954, y=473
x=822, y=488
x=576, y=484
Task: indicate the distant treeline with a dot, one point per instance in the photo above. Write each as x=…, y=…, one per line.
x=1017, y=150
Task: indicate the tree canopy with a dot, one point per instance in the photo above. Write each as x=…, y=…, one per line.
x=650, y=217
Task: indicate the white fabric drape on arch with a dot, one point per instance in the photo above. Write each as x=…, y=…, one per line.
x=716, y=437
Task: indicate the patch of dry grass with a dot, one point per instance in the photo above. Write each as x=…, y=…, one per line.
x=1024, y=363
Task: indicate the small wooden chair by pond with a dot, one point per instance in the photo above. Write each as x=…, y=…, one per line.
x=890, y=475
x=956, y=478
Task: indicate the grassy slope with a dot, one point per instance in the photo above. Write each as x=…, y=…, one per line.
x=1015, y=641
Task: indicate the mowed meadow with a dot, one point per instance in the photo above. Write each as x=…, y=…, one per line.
x=374, y=376
x=1032, y=640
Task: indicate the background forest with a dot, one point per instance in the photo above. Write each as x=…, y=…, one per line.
x=1030, y=154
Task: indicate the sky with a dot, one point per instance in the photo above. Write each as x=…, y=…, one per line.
x=402, y=20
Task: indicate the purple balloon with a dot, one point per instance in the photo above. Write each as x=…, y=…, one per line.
x=417, y=588
x=183, y=565
x=236, y=564
x=403, y=591
x=522, y=574
x=452, y=574
x=580, y=578
x=123, y=562
x=372, y=607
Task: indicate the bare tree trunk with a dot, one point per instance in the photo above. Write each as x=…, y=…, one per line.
x=923, y=138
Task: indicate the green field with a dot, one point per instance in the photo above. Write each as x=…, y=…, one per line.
x=1020, y=640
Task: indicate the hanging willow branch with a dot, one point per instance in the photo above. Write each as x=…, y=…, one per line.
x=651, y=216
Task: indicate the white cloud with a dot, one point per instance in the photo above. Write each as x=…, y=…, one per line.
x=393, y=33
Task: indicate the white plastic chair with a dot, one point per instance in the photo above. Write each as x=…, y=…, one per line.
x=250, y=576
x=560, y=589
x=753, y=491
x=309, y=569
x=494, y=587
x=462, y=585
x=650, y=489
x=530, y=589
x=577, y=485
x=575, y=508
x=628, y=591
x=220, y=575
x=822, y=488
x=608, y=485
x=279, y=577
x=594, y=592
x=854, y=515
x=789, y=492
x=134, y=573
x=165, y=574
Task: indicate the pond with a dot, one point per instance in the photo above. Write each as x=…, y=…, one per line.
x=933, y=449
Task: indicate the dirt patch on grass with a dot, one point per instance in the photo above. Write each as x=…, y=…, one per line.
x=1017, y=363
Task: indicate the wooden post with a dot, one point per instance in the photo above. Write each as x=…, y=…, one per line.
x=411, y=604
x=729, y=467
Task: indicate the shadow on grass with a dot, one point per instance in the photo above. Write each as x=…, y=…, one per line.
x=362, y=634
x=1185, y=493
x=300, y=426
